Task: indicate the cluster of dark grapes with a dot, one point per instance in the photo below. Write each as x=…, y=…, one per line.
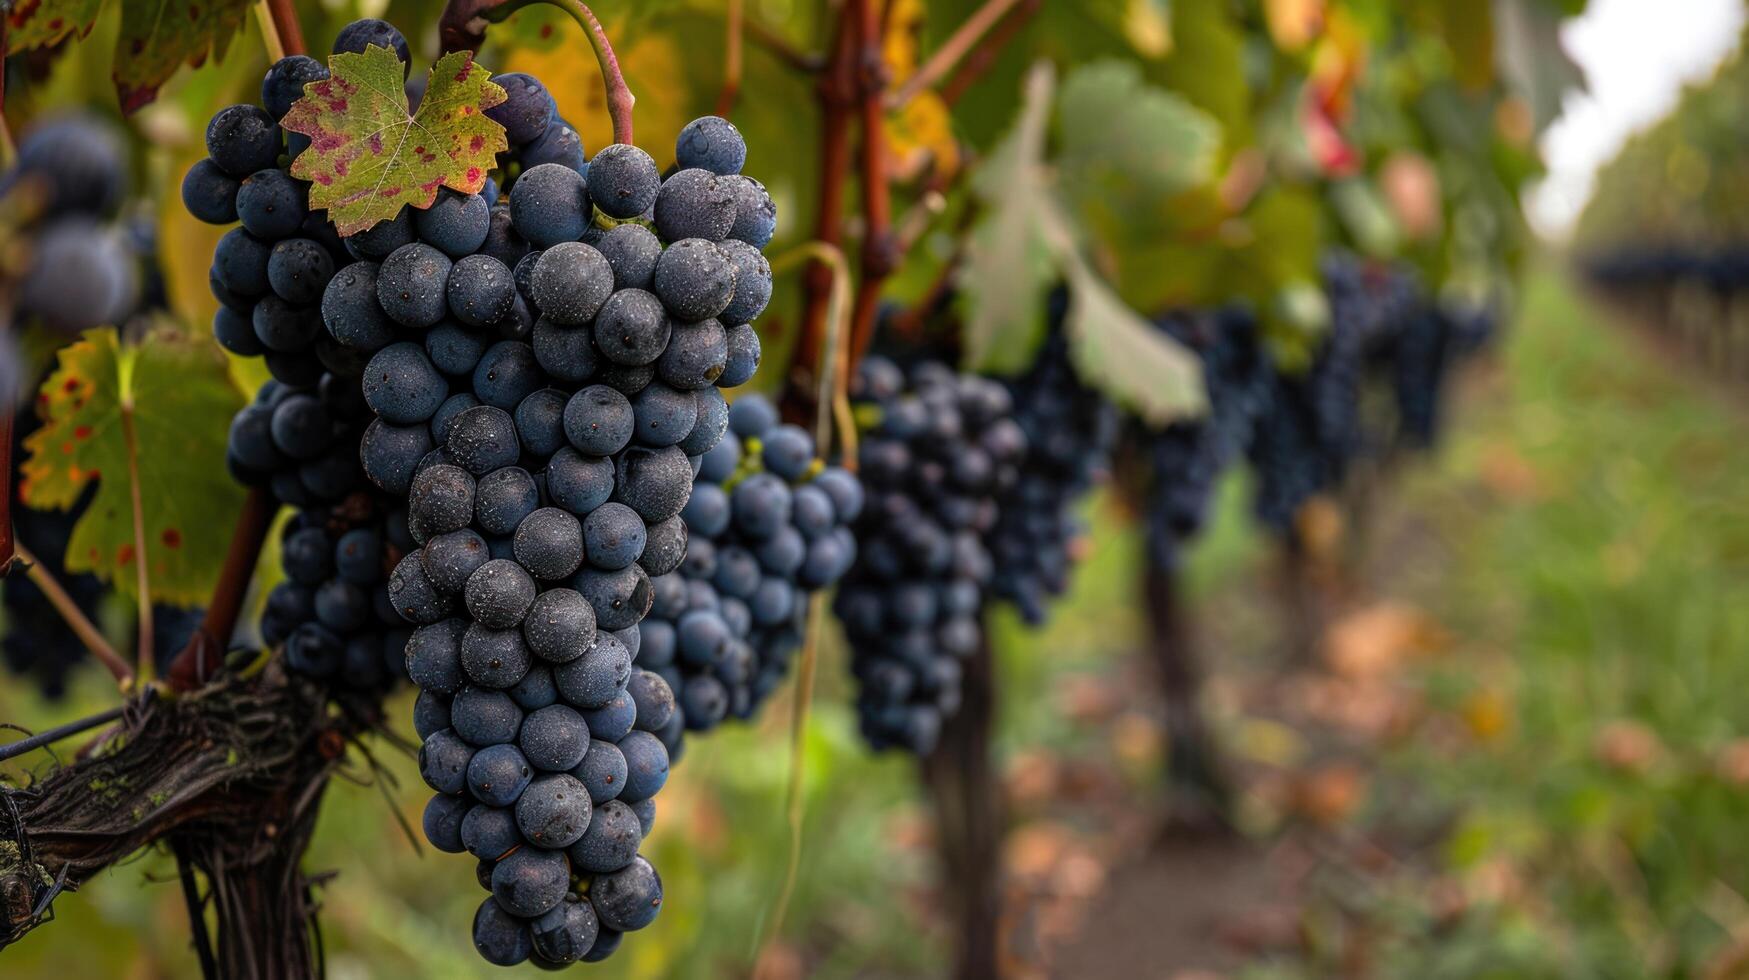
x=540, y=372
x=300, y=436
x=64, y=193
x=1182, y=463
x=944, y=450
x=767, y=526
x=39, y=644
x=1070, y=430
x=332, y=612
x=1385, y=332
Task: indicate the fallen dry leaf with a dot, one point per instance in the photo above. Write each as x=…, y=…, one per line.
x=1376, y=640
x=1627, y=746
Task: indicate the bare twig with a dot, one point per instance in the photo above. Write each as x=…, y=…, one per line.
x=956, y=47
x=978, y=62
x=779, y=47
x=13, y=750
x=74, y=617
x=734, y=27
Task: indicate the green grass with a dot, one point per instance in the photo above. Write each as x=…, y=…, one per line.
x=1585, y=534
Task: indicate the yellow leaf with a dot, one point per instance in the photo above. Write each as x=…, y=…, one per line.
x=919, y=133
x=899, y=48
x=1293, y=24
x=1148, y=26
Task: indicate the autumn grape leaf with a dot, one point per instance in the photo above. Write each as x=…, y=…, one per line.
x=1009, y=264
x=159, y=36
x=1138, y=366
x=183, y=402
x=32, y=24
x=369, y=156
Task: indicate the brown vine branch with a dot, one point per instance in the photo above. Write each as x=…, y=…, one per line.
x=880, y=254
x=956, y=47
x=780, y=48
x=199, y=661
x=734, y=29
x=978, y=62
x=75, y=618
x=13, y=750
x=285, y=21
x=230, y=778
x=462, y=27
x=836, y=91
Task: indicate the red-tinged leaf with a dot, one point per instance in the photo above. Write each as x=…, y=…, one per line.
x=183, y=402
x=369, y=156
x=160, y=36
x=43, y=23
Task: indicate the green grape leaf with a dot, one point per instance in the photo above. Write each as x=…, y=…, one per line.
x=1142, y=368
x=1009, y=264
x=369, y=156
x=159, y=36
x=183, y=402
x=34, y=24
x=1130, y=143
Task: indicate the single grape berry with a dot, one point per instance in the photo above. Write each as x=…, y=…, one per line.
x=623, y=181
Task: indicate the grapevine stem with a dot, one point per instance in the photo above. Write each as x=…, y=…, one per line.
x=462, y=26
x=269, y=32
x=200, y=659
x=287, y=33
x=619, y=97
x=880, y=255
x=734, y=27
x=142, y=572
x=837, y=92
x=13, y=750
x=956, y=47
x=75, y=619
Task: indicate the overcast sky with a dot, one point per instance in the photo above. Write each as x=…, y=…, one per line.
x=1637, y=55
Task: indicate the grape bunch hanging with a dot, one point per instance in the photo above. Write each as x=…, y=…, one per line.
x=942, y=451
x=767, y=526
x=541, y=371
x=1070, y=430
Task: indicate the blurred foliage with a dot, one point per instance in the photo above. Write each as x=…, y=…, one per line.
x=1680, y=182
